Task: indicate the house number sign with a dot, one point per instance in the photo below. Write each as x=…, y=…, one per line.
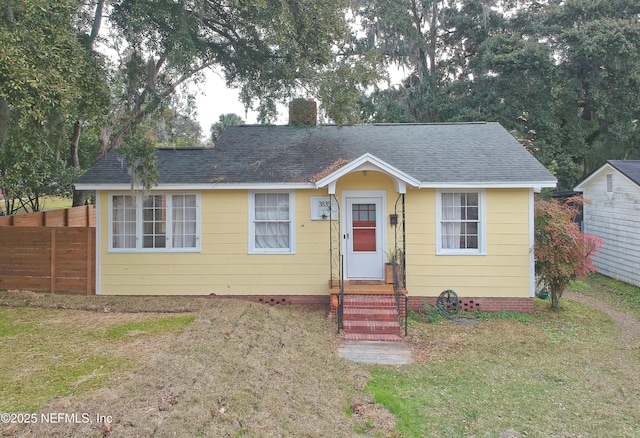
x=322, y=209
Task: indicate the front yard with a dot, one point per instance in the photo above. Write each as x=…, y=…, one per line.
x=200, y=367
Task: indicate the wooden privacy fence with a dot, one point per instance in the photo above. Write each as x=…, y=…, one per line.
x=84, y=216
x=57, y=258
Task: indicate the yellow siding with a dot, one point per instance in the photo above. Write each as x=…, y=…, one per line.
x=224, y=266
x=502, y=272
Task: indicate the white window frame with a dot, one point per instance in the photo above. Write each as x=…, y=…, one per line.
x=609, y=183
x=292, y=224
x=139, y=198
x=482, y=238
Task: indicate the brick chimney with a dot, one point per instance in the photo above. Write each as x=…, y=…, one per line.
x=303, y=113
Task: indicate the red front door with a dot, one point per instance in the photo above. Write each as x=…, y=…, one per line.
x=364, y=237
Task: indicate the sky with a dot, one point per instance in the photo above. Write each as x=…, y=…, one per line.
x=216, y=99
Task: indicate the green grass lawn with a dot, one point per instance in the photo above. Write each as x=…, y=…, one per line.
x=559, y=374
x=56, y=202
x=48, y=203
x=621, y=295
x=237, y=369
x=47, y=353
x=245, y=369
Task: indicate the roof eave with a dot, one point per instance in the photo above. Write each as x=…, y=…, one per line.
x=490, y=185
x=212, y=186
x=302, y=186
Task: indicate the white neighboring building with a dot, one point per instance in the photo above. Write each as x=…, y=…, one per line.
x=614, y=216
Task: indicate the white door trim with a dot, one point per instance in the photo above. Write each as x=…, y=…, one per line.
x=381, y=232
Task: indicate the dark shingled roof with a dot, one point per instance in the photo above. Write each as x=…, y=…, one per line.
x=629, y=168
x=430, y=153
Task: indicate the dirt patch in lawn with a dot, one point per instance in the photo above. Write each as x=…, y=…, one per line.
x=239, y=369
x=629, y=338
x=246, y=369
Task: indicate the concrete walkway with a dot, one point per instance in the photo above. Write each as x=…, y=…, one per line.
x=376, y=352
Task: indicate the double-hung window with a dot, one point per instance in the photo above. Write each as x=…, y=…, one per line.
x=271, y=222
x=157, y=222
x=460, y=222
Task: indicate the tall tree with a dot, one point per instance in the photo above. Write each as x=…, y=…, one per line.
x=409, y=34
x=597, y=44
x=512, y=82
x=562, y=76
x=53, y=78
x=229, y=119
x=45, y=77
x=434, y=41
x=95, y=102
x=270, y=50
x=177, y=130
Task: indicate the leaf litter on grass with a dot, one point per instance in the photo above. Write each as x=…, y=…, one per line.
x=255, y=370
x=561, y=374
x=52, y=352
x=239, y=369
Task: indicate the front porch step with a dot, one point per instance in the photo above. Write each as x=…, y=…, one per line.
x=370, y=317
x=371, y=337
x=363, y=287
x=369, y=302
x=371, y=327
x=371, y=314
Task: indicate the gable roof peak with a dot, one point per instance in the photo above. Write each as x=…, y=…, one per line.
x=366, y=162
x=628, y=168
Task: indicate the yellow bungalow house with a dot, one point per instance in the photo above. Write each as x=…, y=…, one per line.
x=293, y=215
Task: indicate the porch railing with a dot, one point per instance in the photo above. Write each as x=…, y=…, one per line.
x=336, y=273
x=399, y=292
x=340, y=309
x=399, y=274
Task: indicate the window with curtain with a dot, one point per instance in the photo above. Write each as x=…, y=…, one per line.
x=271, y=222
x=159, y=222
x=154, y=222
x=123, y=221
x=460, y=226
x=184, y=214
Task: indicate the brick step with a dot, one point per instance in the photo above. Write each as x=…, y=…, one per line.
x=368, y=290
x=371, y=337
x=372, y=327
x=370, y=314
x=364, y=288
x=369, y=301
